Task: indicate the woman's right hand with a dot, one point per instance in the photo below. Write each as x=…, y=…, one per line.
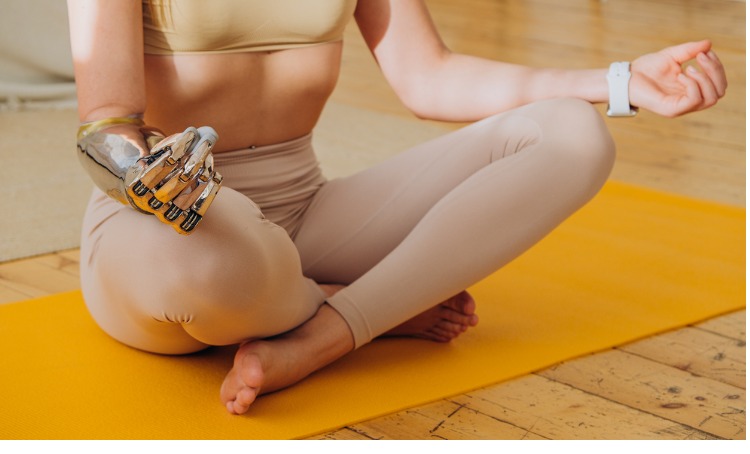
x=176, y=181
x=171, y=177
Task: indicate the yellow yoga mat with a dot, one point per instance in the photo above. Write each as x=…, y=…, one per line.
x=632, y=263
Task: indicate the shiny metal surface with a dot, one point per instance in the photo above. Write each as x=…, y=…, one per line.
x=171, y=177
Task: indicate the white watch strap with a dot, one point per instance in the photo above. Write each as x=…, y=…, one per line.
x=619, y=101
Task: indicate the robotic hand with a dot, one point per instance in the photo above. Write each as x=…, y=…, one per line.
x=172, y=177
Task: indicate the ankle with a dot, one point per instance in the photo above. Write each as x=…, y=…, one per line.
x=324, y=338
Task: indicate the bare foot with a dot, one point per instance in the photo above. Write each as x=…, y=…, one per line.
x=244, y=381
x=264, y=366
x=255, y=372
x=442, y=323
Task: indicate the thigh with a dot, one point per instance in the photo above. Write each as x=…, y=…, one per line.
x=356, y=221
x=238, y=276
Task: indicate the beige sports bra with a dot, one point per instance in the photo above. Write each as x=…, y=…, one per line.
x=224, y=26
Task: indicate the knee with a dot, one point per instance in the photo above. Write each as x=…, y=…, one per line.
x=582, y=141
x=167, y=276
x=207, y=273
x=211, y=283
x=229, y=287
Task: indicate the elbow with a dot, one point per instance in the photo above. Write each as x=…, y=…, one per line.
x=419, y=99
x=421, y=112
x=420, y=84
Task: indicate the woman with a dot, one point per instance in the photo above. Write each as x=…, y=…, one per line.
x=296, y=269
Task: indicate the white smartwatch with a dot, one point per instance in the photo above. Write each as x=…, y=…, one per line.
x=619, y=101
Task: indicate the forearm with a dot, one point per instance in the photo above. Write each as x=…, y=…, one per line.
x=467, y=88
x=107, y=46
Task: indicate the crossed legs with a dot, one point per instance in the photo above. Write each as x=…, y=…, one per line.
x=426, y=224
x=401, y=237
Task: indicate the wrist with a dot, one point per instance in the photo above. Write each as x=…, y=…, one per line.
x=587, y=84
x=595, y=86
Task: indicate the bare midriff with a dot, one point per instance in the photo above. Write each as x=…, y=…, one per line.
x=249, y=98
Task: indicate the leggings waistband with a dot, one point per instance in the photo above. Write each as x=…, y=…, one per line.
x=281, y=178
x=299, y=145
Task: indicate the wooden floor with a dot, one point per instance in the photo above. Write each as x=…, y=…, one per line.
x=686, y=384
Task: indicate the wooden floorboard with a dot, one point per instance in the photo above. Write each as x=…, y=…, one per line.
x=685, y=384
x=658, y=389
x=698, y=352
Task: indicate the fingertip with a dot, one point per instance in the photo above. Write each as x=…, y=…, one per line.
x=190, y=130
x=687, y=51
x=208, y=133
x=704, y=44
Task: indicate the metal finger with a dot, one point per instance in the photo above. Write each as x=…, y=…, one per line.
x=198, y=156
x=162, y=160
x=172, y=212
x=207, y=196
x=167, y=212
x=152, y=173
x=184, y=178
x=208, y=169
x=178, y=144
x=191, y=194
x=170, y=189
x=193, y=216
x=208, y=133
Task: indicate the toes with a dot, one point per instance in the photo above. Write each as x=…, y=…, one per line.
x=245, y=397
x=451, y=327
x=435, y=337
x=241, y=403
x=441, y=335
x=230, y=387
x=466, y=304
x=443, y=322
x=462, y=303
x=459, y=318
x=236, y=409
x=242, y=384
x=461, y=309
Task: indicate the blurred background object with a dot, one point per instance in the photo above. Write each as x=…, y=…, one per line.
x=36, y=69
x=44, y=191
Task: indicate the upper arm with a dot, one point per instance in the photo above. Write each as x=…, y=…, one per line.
x=107, y=45
x=403, y=39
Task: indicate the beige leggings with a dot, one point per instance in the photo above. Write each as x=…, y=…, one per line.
x=403, y=235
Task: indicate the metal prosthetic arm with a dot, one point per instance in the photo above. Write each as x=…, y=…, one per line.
x=172, y=177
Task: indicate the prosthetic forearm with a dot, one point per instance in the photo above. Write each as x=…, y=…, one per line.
x=172, y=177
